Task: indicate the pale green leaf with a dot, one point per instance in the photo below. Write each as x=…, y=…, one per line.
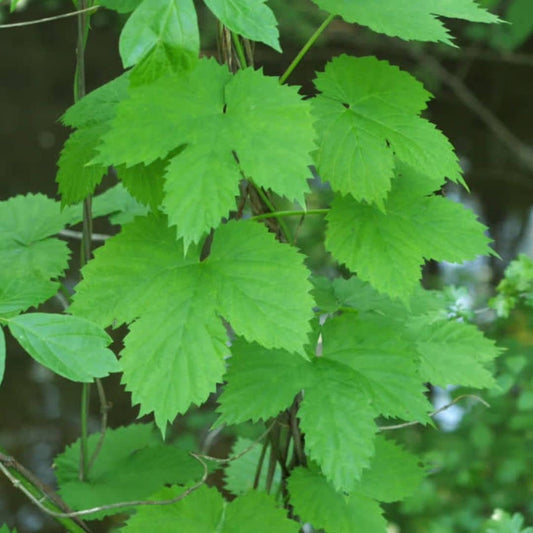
x=388, y=247
x=131, y=465
x=239, y=475
x=338, y=422
x=281, y=376
x=30, y=261
x=380, y=353
x=408, y=19
x=118, y=203
x=393, y=474
x=317, y=502
x=454, y=353
x=142, y=275
x=2, y=354
x=200, y=512
x=256, y=128
x=250, y=18
x=72, y=347
x=368, y=114
x=160, y=37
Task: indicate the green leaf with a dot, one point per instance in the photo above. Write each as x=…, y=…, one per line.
x=254, y=123
x=160, y=37
x=205, y=510
x=250, y=18
x=259, y=513
x=176, y=301
x=383, y=358
x=131, y=465
x=368, y=114
x=121, y=6
x=388, y=247
x=77, y=178
x=407, y=19
x=317, y=502
x=199, y=512
x=393, y=475
x=338, y=422
x=240, y=474
x=30, y=261
x=72, y=347
x=454, y=353
x=2, y=354
x=282, y=375
x=118, y=203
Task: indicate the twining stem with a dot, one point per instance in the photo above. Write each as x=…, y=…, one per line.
x=305, y=49
x=239, y=49
x=281, y=214
x=85, y=252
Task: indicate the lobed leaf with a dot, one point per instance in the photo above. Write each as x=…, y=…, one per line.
x=260, y=383
x=316, y=501
x=338, y=421
x=387, y=247
x=30, y=260
x=175, y=301
x=367, y=115
x=382, y=356
x=131, y=465
x=256, y=128
x=408, y=19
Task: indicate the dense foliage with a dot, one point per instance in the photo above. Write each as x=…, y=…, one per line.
x=214, y=161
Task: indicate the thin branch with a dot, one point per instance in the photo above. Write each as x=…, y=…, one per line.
x=104, y=409
x=280, y=214
x=52, y=497
x=434, y=413
x=240, y=454
x=47, y=19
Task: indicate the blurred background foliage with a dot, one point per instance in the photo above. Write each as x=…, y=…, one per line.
x=479, y=458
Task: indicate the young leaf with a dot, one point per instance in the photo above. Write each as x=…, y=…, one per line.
x=279, y=376
x=250, y=18
x=316, y=501
x=393, y=475
x=387, y=247
x=143, y=273
x=256, y=128
x=408, y=19
x=2, y=354
x=453, y=353
x=368, y=114
x=131, y=465
x=29, y=258
x=338, y=421
x=383, y=358
x=160, y=37
x=72, y=347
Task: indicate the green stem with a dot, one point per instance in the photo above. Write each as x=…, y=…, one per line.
x=79, y=93
x=305, y=49
x=270, y=205
x=239, y=49
x=281, y=214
